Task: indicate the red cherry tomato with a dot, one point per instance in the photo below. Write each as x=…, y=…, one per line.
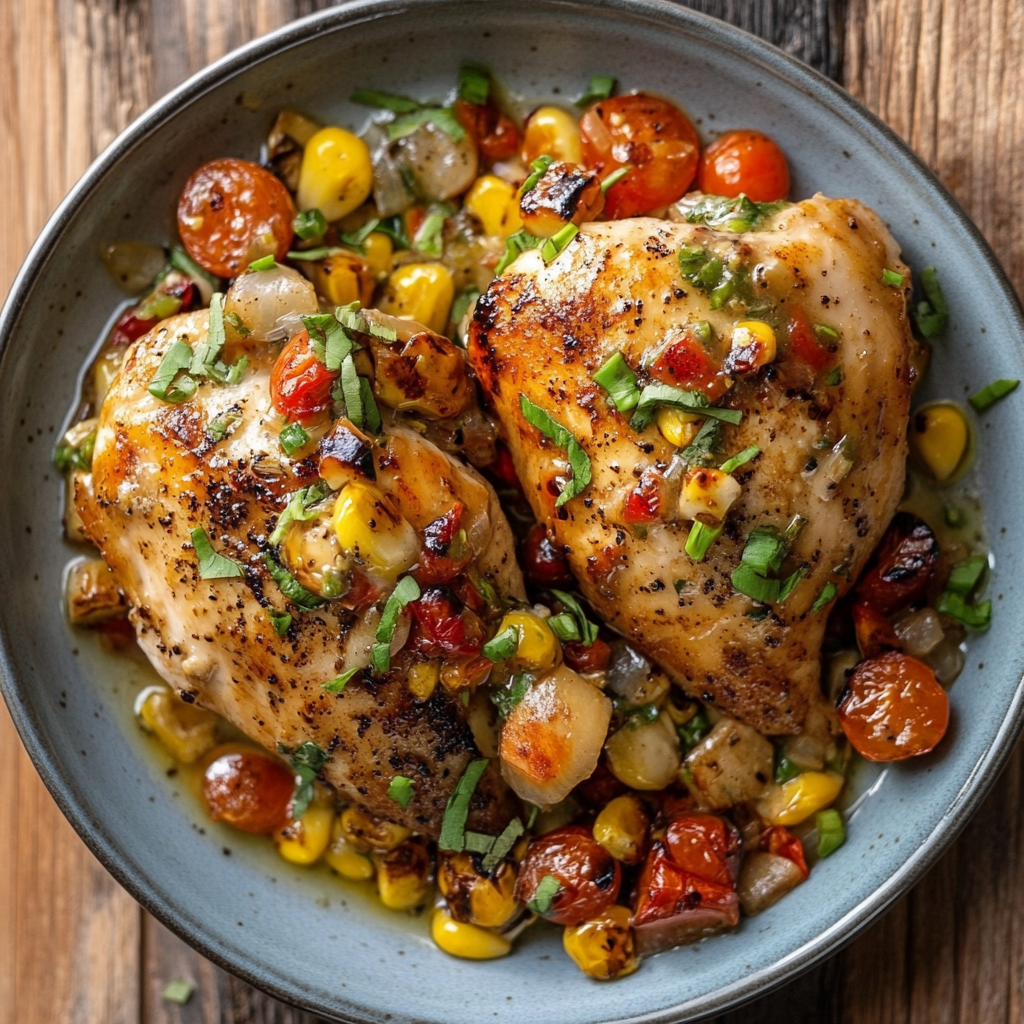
x=650, y=135
x=581, y=658
x=783, y=843
x=503, y=468
x=588, y=875
x=250, y=791
x=644, y=502
x=903, y=566
x=685, y=363
x=496, y=137
x=804, y=345
x=300, y=384
x=233, y=212
x=744, y=161
x=445, y=553
x=705, y=845
x=442, y=627
x=893, y=708
x=543, y=564
x=873, y=630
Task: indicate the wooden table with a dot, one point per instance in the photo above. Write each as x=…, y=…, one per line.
x=947, y=74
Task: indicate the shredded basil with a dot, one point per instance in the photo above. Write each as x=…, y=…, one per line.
x=402, y=790
x=977, y=616
x=764, y=550
x=385, y=101
x=406, y=590
x=538, y=168
x=263, y=263
x=831, y=831
x=505, y=698
x=206, y=353
x=544, y=895
x=338, y=683
x=964, y=577
x=429, y=237
x=558, y=241
x=741, y=459
x=599, y=88
x=453, y=826
x=299, y=508
x=306, y=762
x=700, y=538
x=166, y=384
x=614, y=178
x=474, y=84
x=502, y=646
x=441, y=118
x=321, y=252
x=579, y=461
x=655, y=395
x=988, y=396
x=891, y=279
x=735, y=215
x=932, y=313
x=293, y=436
x=515, y=246
x=587, y=630
x=309, y=224
x=502, y=846
x=616, y=377
x=66, y=456
x=825, y=598
x=289, y=586
x=693, y=731
x=281, y=621
x=564, y=627
x=785, y=769
x=701, y=450
x=225, y=423
x=211, y=565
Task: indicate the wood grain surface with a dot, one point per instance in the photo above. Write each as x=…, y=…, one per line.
x=948, y=75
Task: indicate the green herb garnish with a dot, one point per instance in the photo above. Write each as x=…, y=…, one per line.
x=764, y=550
x=474, y=84
x=180, y=260
x=988, y=396
x=693, y=731
x=503, y=845
x=385, y=101
x=701, y=450
x=564, y=627
x=211, y=565
x=502, y=646
x=616, y=377
x=558, y=241
x=785, y=769
x=544, y=895
x=964, y=577
x=402, y=790
x=586, y=629
x=306, y=762
x=891, y=279
x=614, y=178
x=309, y=224
x=825, y=598
x=67, y=456
x=700, y=538
x=538, y=168
x=932, y=313
x=740, y=459
x=507, y=697
x=831, y=831
x=406, y=590
x=977, y=616
x=453, y=826
x=263, y=263
x=225, y=423
x=736, y=215
x=338, y=683
x=166, y=384
x=281, y=621
x=515, y=246
x=300, y=509
x=599, y=88
x=293, y=436
x=289, y=586
x=579, y=461
x=655, y=395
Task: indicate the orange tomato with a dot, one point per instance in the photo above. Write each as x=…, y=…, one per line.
x=496, y=137
x=744, y=161
x=250, y=791
x=902, y=567
x=650, y=135
x=232, y=212
x=705, y=845
x=874, y=632
x=893, y=708
x=300, y=385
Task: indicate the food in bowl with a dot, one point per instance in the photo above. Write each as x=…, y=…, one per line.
x=488, y=527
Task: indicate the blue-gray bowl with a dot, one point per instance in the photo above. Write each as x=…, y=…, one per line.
x=308, y=938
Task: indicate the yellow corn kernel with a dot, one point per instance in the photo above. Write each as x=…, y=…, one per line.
x=422, y=677
x=603, y=947
x=367, y=528
x=422, y=292
x=801, y=797
x=403, y=875
x=378, y=252
x=551, y=130
x=751, y=332
x=465, y=673
x=186, y=731
x=707, y=492
x=344, y=858
x=677, y=427
x=538, y=647
x=938, y=438
x=304, y=841
x=366, y=833
x=485, y=900
x=336, y=174
x=621, y=828
x=468, y=941
x=494, y=203
x=341, y=279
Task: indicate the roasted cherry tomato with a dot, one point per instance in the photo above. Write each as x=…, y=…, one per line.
x=650, y=135
x=744, y=161
x=496, y=137
x=903, y=566
x=446, y=552
x=543, y=564
x=874, y=631
x=783, y=843
x=233, y=212
x=705, y=845
x=644, y=503
x=581, y=658
x=804, y=345
x=442, y=627
x=503, y=468
x=685, y=363
x=893, y=708
x=249, y=790
x=300, y=384
x=587, y=874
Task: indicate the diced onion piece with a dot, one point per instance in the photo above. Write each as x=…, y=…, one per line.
x=390, y=194
x=920, y=632
x=830, y=471
x=92, y=593
x=552, y=739
x=442, y=167
x=271, y=303
x=645, y=756
x=731, y=764
x=764, y=879
x=946, y=660
x=133, y=265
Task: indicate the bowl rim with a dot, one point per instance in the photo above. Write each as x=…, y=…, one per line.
x=839, y=103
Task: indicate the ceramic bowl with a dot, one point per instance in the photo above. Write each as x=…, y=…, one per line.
x=308, y=938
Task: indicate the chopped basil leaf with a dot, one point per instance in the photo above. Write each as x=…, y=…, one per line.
x=680, y=585
x=503, y=845
x=987, y=396
x=178, y=991
x=764, y=550
x=964, y=577
x=505, y=698
x=558, y=241
x=825, y=333
x=579, y=461
x=406, y=590
x=731, y=465
x=619, y=381
x=263, y=263
x=544, y=895
x=211, y=565
x=180, y=260
x=338, y=683
x=538, y=168
x=299, y=508
x=701, y=538
x=825, y=598
x=474, y=84
x=441, y=118
x=693, y=731
x=502, y=646
x=206, y=353
x=66, y=456
x=749, y=582
x=309, y=224
x=385, y=101
x=600, y=88
x=236, y=322
x=977, y=616
x=614, y=178
x=453, y=827
x=321, y=252
x=835, y=377
x=355, y=239
x=289, y=586
x=281, y=621
x=587, y=630
x=932, y=313
x=891, y=279
x=293, y=437
x=429, y=236
x=655, y=395
x=329, y=339
x=701, y=450
x=831, y=831
x=789, y=584
x=785, y=769
x=371, y=414
x=177, y=358
x=515, y=246
x=402, y=790
x=351, y=391
x=736, y=215
x=564, y=627
x=306, y=762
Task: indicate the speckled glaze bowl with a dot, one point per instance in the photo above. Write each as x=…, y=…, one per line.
x=307, y=937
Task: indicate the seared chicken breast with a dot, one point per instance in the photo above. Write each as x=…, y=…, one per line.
x=798, y=331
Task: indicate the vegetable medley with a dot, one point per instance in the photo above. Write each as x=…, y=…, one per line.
x=358, y=259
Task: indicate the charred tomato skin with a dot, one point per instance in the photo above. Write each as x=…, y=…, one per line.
x=300, y=384
x=249, y=791
x=903, y=566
